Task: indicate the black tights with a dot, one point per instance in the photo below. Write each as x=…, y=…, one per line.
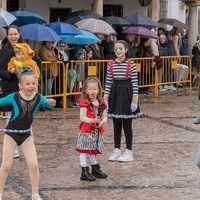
x=127, y=127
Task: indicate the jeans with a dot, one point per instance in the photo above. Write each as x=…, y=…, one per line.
x=49, y=85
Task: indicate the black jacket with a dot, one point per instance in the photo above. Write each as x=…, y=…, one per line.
x=9, y=81
x=195, y=57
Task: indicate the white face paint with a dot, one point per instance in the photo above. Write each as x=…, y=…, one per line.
x=120, y=50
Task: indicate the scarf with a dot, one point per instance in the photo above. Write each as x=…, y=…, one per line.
x=63, y=53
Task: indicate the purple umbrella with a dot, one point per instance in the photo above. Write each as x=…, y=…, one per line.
x=140, y=31
x=173, y=22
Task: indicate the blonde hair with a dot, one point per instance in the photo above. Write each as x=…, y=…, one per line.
x=92, y=79
x=25, y=71
x=17, y=50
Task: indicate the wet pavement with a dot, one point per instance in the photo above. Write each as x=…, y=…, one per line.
x=164, y=166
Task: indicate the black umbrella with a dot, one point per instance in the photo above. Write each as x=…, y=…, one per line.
x=81, y=14
x=112, y=20
x=140, y=20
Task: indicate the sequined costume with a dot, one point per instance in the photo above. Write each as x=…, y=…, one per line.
x=89, y=140
x=22, y=115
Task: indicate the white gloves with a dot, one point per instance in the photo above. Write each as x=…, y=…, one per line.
x=134, y=106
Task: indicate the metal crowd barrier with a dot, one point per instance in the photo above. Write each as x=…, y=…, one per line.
x=175, y=70
x=54, y=73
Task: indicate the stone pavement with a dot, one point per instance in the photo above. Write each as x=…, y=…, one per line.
x=164, y=166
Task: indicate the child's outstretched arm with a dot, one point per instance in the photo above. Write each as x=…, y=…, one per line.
x=51, y=102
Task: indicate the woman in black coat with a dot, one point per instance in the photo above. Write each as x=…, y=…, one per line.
x=9, y=81
x=196, y=55
x=196, y=61
x=196, y=71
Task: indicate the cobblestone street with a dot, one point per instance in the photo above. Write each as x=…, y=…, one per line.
x=164, y=166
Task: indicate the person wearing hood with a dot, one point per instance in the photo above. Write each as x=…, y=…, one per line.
x=61, y=51
x=23, y=58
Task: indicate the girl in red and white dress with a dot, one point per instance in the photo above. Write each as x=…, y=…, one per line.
x=93, y=115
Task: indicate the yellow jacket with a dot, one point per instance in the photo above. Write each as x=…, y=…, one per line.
x=26, y=62
x=47, y=55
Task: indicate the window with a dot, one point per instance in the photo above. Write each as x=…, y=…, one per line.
x=12, y=5
x=112, y=10
x=57, y=14
x=163, y=9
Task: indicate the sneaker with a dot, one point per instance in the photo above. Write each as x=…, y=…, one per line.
x=197, y=120
x=162, y=88
x=171, y=87
x=126, y=156
x=16, y=153
x=180, y=86
x=139, y=114
x=75, y=104
x=116, y=153
x=36, y=197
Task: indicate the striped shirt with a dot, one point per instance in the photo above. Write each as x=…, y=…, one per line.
x=119, y=73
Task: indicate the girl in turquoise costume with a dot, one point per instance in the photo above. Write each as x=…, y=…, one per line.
x=24, y=104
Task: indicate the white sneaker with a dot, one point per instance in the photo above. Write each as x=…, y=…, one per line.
x=116, y=153
x=197, y=120
x=171, y=87
x=126, y=156
x=16, y=153
x=139, y=114
x=162, y=88
x=36, y=197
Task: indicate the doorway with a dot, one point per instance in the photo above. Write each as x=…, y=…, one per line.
x=59, y=14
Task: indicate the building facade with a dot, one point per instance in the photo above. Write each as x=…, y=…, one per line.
x=54, y=10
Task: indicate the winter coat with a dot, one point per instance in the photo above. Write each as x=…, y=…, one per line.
x=48, y=55
x=27, y=60
x=9, y=81
x=196, y=56
x=166, y=49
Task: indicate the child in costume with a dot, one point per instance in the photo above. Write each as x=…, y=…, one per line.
x=25, y=103
x=81, y=73
x=23, y=57
x=93, y=115
x=121, y=93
